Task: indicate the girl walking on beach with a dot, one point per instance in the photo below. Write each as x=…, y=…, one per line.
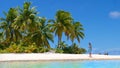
x=90, y=49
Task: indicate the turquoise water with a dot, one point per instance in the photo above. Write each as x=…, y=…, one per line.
x=63, y=64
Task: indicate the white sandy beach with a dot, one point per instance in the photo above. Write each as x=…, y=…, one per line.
x=54, y=56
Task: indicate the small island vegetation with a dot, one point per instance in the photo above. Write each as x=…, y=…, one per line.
x=22, y=30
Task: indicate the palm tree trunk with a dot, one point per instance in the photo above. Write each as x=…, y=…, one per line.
x=59, y=40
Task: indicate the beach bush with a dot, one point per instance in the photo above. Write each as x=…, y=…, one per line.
x=30, y=48
x=59, y=50
x=22, y=48
x=74, y=49
x=41, y=50
x=14, y=48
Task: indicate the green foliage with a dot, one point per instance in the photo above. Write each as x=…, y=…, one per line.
x=61, y=24
x=21, y=48
x=30, y=48
x=13, y=48
x=62, y=45
x=42, y=50
x=82, y=50
x=59, y=50
x=74, y=49
x=77, y=32
x=23, y=31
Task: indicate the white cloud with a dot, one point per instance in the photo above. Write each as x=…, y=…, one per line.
x=114, y=14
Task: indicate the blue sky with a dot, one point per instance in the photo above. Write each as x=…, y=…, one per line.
x=100, y=19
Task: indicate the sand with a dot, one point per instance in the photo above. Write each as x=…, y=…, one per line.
x=54, y=57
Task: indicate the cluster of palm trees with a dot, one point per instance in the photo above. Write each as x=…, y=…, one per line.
x=24, y=25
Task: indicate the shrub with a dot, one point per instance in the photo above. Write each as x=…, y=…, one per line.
x=59, y=50
x=41, y=50
x=74, y=49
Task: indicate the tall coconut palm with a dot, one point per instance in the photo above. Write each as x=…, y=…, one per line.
x=10, y=33
x=42, y=36
x=25, y=21
x=32, y=27
x=62, y=24
x=5, y=30
x=77, y=32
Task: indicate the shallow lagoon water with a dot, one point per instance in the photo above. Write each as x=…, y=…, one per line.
x=63, y=64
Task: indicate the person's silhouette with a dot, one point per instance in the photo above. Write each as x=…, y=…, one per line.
x=90, y=49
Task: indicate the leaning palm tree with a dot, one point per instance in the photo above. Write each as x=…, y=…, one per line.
x=61, y=24
x=77, y=32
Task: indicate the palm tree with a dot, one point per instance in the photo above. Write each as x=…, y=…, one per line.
x=42, y=36
x=32, y=27
x=61, y=24
x=5, y=30
x=1, y=36
x=7, y=27
x=77, y=32
x=26, y=22
x=26, y=19
x=63, y=45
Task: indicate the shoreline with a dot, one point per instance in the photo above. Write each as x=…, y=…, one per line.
x=54, y=57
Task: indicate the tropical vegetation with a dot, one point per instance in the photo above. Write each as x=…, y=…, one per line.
x=22, y=30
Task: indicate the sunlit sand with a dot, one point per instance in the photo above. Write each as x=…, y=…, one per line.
x=54, y=56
